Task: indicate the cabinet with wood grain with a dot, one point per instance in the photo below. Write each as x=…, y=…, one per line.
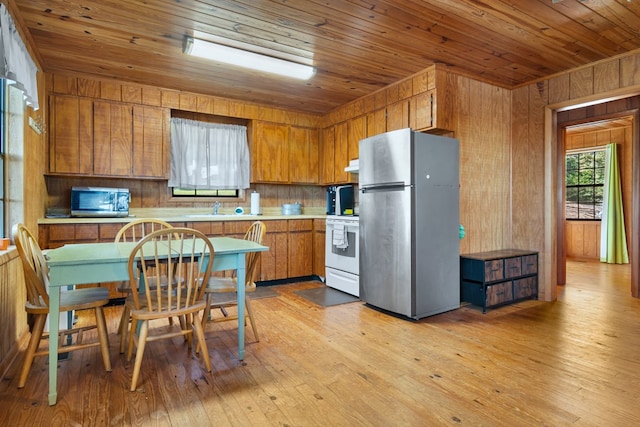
x=107, y=139
x=300, y=242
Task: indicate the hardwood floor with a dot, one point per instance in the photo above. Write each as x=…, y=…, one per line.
x=571, y=362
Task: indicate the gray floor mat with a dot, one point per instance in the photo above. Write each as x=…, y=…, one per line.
x=326, y=296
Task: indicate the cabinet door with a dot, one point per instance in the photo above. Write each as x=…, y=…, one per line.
x=71, y=140
x=327, y=160
x=421, y=111
x=112, y=139
x=150, y=149
x=377, y=122
x=303, y=155
x=274, y=262
x=398, y=115
x=300, y=248
x=270, y=153
x=341, y=159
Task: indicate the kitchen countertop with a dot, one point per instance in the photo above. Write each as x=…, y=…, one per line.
x=191, y=215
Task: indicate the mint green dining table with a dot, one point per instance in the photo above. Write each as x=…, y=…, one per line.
x=83, y=263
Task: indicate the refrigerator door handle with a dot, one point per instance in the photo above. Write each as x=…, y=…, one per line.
x=387, y=186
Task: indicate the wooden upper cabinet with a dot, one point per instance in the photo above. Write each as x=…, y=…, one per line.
x=151, y=154
x=357, y=131
x=327, y=159
x=270, y=153
x=377, y=122
x=304, y=146
x=112, y=138
x=398, y=115
x=341, y=159
x=422, y=111
x=71, y=135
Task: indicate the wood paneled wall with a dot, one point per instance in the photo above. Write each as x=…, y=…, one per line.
x=535, y=118
x=582, y=238
x=13, y=317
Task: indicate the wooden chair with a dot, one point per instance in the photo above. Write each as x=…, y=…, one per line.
x=133, y=232
x=36, y=277
x=229, y=284
x=188, y=256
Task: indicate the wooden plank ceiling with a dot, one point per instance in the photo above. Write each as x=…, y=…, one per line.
x=358, y=46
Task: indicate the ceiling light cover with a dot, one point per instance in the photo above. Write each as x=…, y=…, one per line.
x=246, y=59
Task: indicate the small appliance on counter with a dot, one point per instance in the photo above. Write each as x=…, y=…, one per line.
x=340, y=200
x=100, y=202
x=292, y=209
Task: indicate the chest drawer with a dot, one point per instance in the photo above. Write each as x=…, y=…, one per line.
x=483, y=271
x=499, y=293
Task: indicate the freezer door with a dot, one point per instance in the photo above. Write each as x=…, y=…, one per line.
x=386, y=158
x=386, y=248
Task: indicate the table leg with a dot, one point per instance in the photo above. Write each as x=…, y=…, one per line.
x=240, y=277
x=54, y=319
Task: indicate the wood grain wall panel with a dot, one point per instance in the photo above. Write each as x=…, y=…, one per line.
x=170, y=98
x=520, y=166
x=88, y=87
x=469, y=176
x=14, y=317
x=151, y=96
x=606, y=76
x=630, y=70
x=188, y=102
x=65, y=84
x=591, y=241
x=132, y=94
x=581, y=82
x=559, y=88
x=111, y=91
x=482, y=123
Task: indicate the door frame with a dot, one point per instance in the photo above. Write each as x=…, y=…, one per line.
x=554, y=203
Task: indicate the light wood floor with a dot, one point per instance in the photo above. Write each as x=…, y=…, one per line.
x=575, y=361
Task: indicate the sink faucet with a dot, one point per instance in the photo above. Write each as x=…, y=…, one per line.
x=216, y=206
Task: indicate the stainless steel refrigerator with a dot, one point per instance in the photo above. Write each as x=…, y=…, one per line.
x=409, y=223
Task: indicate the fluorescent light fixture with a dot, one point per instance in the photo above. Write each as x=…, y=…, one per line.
x=246, y=59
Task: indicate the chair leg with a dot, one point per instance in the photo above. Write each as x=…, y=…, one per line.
x=142, y=341
x=124, y=327
x=199, y=329
x=247, y=305
x=104, y=338
x=34, y=342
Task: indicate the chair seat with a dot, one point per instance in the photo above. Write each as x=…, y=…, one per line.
x=77, y=299
x=144, y=313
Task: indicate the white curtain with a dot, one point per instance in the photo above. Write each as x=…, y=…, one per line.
x=208, y=156
x=15, y=63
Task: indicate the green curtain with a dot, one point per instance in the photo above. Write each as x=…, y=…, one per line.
x=613, y=239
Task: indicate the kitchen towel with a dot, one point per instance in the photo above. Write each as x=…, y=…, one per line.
x=255, y=203
x=340, y=237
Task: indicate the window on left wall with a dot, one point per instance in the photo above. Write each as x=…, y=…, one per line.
x=12, y=109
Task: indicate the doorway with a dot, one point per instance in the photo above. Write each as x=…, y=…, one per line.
x=614, y=121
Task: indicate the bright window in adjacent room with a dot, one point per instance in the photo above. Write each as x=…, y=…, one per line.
x=584, y=184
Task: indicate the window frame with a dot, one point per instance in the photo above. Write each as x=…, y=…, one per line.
x=579, y=186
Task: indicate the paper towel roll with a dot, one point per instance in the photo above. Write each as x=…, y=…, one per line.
x=255, y=203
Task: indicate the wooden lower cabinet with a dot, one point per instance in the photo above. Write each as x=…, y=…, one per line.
x=274, y=263
x=300, y=248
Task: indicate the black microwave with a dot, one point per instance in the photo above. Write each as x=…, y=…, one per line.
x=100, y=202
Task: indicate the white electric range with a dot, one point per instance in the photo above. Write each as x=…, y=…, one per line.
x=342, y=253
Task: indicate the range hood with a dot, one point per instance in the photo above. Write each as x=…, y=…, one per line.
x=354, y=166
